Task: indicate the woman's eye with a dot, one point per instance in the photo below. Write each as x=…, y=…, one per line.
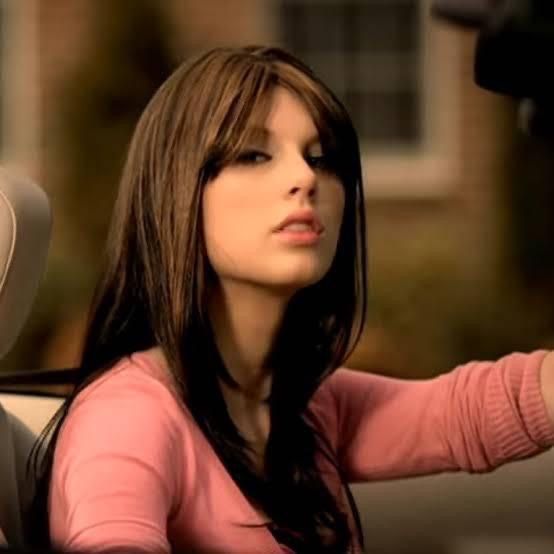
x=319, y=162
x=252, y=157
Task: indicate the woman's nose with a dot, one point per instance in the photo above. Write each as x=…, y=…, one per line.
x=302, y=179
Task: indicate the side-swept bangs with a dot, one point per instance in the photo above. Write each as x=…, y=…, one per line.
x=246, y=98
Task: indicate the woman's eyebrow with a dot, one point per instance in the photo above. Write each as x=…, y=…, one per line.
x=313, y=141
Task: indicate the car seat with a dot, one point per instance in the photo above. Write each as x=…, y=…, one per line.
x=25, y=225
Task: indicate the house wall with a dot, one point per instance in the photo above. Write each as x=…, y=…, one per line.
x=429, y=253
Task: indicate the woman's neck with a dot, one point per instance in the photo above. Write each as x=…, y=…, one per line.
x=246, y=320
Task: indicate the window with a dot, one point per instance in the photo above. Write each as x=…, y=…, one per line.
x=369, y=53
x=385, y=60
x=19, y=90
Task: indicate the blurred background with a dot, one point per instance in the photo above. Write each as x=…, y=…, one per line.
x=459, y=203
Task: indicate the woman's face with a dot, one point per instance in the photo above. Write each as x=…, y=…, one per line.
x=273, y=217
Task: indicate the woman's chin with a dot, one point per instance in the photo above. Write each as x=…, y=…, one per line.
x=298, y=279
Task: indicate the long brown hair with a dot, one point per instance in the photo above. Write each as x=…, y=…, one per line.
x=156, y=277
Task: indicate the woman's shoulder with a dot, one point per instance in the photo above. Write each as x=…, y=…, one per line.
x=136, y=385
x=125, y=436
x=343, y=394
x=323, y=410
x=344, y=379
x=140, y=370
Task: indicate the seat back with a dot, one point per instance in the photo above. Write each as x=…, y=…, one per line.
x=25, y=224
x=17, y=441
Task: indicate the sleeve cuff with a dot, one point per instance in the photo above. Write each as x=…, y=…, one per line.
x=522, y=376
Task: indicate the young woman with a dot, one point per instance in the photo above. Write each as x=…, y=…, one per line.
x=211, y=415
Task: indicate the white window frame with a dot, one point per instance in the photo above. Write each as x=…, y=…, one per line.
x=432, y=168
x=20, y=94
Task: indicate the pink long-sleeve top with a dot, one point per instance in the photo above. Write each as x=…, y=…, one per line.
x=132, y=469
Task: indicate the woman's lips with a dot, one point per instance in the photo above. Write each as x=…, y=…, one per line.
x=299, y=234
x=301, y=217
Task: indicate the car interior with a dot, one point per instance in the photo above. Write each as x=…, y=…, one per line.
x=507, y=511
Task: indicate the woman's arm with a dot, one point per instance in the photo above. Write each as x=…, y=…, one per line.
x=547, y=383
x=116, y=468
x=474, y=418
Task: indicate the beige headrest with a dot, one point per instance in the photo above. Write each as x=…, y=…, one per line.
x=25, y=225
